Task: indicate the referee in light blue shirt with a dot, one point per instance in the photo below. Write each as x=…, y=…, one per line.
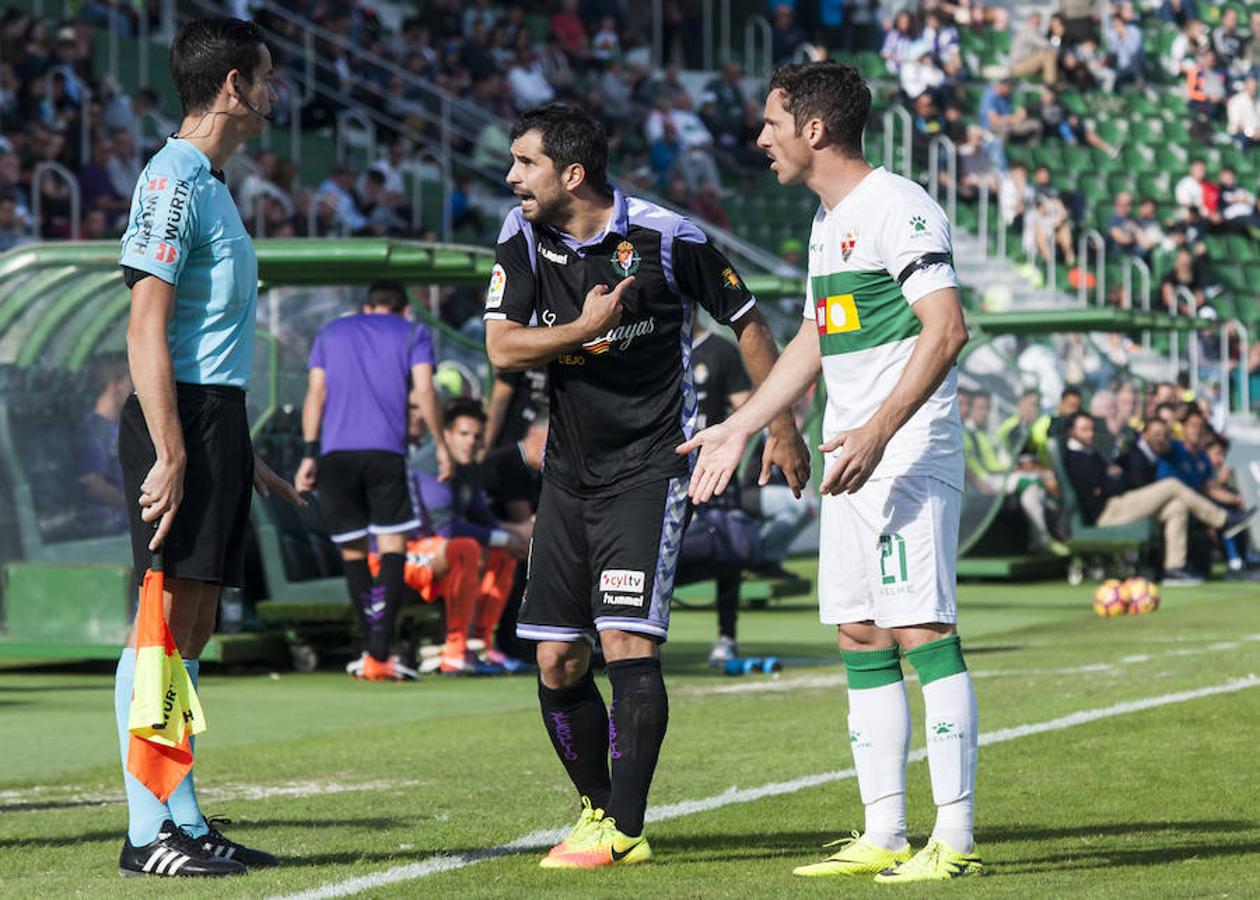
x=188, y=465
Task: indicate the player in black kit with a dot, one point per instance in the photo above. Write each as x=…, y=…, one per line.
x=610, y=283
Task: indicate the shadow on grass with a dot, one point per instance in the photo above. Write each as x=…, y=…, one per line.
x=239, y=830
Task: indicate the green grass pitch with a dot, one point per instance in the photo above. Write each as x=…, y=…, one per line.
x=428, y=782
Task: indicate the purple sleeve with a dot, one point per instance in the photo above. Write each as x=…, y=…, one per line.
x=439, y=501
x=421, y=348
x=316, y=359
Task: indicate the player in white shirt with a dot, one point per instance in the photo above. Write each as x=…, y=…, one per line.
x=884, y=326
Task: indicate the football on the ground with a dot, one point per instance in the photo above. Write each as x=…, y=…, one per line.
x=1143, y=596
x=1111, y=598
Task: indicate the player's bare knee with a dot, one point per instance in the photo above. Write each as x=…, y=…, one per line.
x=856, y=636
x=562, y=664
x=626, y=645
x=918, y=635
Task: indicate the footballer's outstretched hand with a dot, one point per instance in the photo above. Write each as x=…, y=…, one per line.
x=721, y=448
x=601, y=311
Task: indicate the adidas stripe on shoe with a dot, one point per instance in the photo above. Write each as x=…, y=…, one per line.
x=173, y=853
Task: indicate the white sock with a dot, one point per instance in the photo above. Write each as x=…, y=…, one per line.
x=952, y=745
x=879, y=735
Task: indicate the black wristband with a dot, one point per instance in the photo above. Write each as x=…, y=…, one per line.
x=310, y=449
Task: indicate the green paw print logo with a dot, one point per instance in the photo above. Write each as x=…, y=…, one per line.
x=918, y=223
x=854, y=737
x=944, y=728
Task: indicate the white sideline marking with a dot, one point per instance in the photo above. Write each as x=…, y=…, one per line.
x=538, y=840
x=778, y=684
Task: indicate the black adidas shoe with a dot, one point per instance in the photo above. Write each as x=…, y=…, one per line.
x=173, y=853
x=220, y=847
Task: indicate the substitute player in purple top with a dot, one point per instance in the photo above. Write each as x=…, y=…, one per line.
x=354, y=421
x=612, y=282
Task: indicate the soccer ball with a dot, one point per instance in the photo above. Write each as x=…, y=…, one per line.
x=1143, y=596
x=1111, y=599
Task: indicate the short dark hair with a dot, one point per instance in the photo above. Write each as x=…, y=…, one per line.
x=205, y=51
x=461, y=407
x=388, y=293
x=569, y=136
x=1076, y=417
x=1071, y=392
x=830, y=91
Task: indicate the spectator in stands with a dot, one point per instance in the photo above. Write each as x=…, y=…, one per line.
x=940, y=35
x=1251, y=55
x=1124, y=235
x=1069, y=405
x=526, y=80
x=1031, y=52
x=920, y=72
x=1140, y=462
x=1242, y=113
x=337, y=192
x=96, y=191
x=14, y=229
x=786, y=36
x=569, y=29
x=1206, y=90
x=975, y=169
x=478, y=13
x=606, y=42
x=459, y=508
x=1186, y=48
x=1125, y=53
x=1001, y=118
x=990, y=470
x=1237, y=208
x=1178, y=12
x=1104, y=500
x=99, y=469
x=1150, y=229
x=1226, y=40
x=1194, y=191
x=1184, y=276
x=1081, y=19
x=897, y=42
x=1109, y=439
x=1015, y=196
x=126, y=112
x=1058, y=120
x=1048, y=224
x=124, y=163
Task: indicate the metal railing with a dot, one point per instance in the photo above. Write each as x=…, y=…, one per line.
x=1090, y=237
x=1144, y=271
x=754, y=27
x=417, y=187
x=341, y=226
x=1244, y=385
x=892, y=116
x=938, y=145
x=37, y=204
x=1183, y=293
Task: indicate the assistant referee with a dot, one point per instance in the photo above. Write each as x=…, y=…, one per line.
x=188, y=465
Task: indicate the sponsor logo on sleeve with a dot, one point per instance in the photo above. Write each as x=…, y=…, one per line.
x=165, y=253
x=730, y=280
x=622, y=580
x=919, y=227
x=498, y=285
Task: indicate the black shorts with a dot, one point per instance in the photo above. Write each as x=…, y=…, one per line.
x=603, y=564
x=207, y=539
x=364, y=492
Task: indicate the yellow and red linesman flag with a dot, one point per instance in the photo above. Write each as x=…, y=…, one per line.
x=165, y=710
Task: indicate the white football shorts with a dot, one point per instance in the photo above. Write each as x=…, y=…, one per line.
x=888, y=553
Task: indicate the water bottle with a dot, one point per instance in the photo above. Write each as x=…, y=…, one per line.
x=764, y=665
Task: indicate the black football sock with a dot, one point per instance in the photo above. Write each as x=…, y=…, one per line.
x=577, y=723
x=637, y=720
x=359, y=586
x=388, y=593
